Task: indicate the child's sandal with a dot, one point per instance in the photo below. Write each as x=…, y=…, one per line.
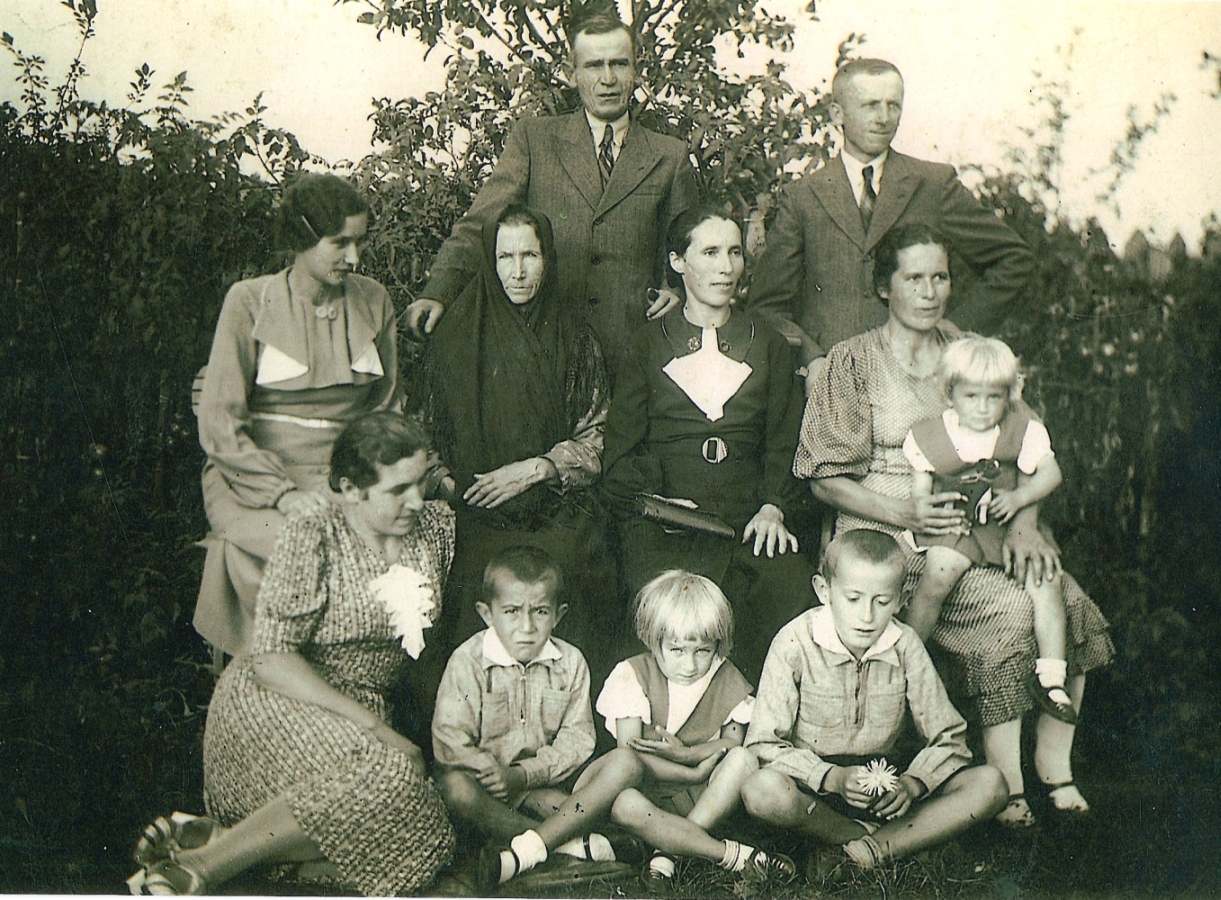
x=655, y=879
x=1048, y=704
x=775, y=868
x=1017, y=815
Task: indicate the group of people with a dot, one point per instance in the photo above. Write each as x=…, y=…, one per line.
x=596, y=486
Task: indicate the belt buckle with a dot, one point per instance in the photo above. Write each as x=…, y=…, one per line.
x=714, y=450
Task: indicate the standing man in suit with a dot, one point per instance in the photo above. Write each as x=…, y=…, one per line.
x=610, y=187
x=815, y=279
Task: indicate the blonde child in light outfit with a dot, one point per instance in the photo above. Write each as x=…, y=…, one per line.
x=683, y=708
x=988, y=448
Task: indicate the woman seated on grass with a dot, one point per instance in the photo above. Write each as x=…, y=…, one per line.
x=300, y=764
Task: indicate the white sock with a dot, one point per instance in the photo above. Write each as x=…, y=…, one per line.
x=735, y=856
x=662, y=865
x=600, y=849
x=529, y=850
x=1052, y=674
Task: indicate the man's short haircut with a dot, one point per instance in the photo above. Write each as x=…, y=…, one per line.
x=526, y=563
x=981, y=360
x=380, y=438
x=683, y=606
x=875, y=547
x=604, y=22
x=854, y=67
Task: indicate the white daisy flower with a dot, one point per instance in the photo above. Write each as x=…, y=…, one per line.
x=877, y=777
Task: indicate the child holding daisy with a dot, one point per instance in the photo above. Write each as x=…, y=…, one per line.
x=837, y=687
x=683, y=708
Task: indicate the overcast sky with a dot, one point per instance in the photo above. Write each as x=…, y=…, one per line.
x=969, y=68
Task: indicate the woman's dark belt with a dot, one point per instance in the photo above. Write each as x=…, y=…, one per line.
x=713, y=449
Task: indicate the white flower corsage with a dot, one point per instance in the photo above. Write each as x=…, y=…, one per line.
x=877, y=777
x=407, y=596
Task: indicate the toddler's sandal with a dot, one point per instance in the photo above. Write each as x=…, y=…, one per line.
x=1043, y=699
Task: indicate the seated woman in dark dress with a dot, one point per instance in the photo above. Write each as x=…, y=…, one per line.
x=517, y=400
x=707, y=410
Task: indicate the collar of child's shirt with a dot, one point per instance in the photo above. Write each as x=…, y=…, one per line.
x=495, y=654
x=823, y=633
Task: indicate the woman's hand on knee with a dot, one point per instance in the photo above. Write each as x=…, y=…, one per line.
x=1027, y=553
x=937, y=514
x=769, y=532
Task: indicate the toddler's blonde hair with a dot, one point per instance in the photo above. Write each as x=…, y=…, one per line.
x=983, y=361
x=683, y=606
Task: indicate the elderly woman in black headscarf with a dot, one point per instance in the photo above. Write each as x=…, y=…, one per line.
x=518, y=394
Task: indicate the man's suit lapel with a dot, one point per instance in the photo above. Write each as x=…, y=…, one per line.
x=831, y=187
x=578, y=159
x=899, y=183
x=636, y=160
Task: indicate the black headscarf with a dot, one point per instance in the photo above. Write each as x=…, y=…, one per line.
x=497, y=373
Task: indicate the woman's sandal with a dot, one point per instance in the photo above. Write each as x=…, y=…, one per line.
x=167, y=878
x=163, y=838
x=1048, y=704
x=1017, y=815
x=1077, y=807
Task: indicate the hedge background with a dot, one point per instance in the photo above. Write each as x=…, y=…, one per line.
x=120, y=232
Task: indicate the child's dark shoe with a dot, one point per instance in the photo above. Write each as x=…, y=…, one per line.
x=1052, y=700
x=774, y=868
x=488, y=869
x=627, y=847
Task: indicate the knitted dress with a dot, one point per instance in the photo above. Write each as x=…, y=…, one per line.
x=371, y=811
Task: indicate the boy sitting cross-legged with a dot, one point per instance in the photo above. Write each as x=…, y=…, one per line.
x=513, y=725
x=836, y=685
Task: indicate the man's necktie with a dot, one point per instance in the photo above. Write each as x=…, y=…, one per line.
x=868, y=196
x=606, y=154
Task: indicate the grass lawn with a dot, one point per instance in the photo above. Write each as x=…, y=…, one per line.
x=1154, y=833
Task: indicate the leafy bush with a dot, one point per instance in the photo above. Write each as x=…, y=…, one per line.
x=123, y=228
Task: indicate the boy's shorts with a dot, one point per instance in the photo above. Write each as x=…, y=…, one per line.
x=515, y=801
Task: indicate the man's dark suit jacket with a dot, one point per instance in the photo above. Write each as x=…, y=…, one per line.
x=610, y=243
x=814, y=281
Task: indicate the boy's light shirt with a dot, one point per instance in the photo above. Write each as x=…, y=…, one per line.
x=822, y=630
x=623, y=697
x=811, y=685
x=495, y=654
x=492, y=709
